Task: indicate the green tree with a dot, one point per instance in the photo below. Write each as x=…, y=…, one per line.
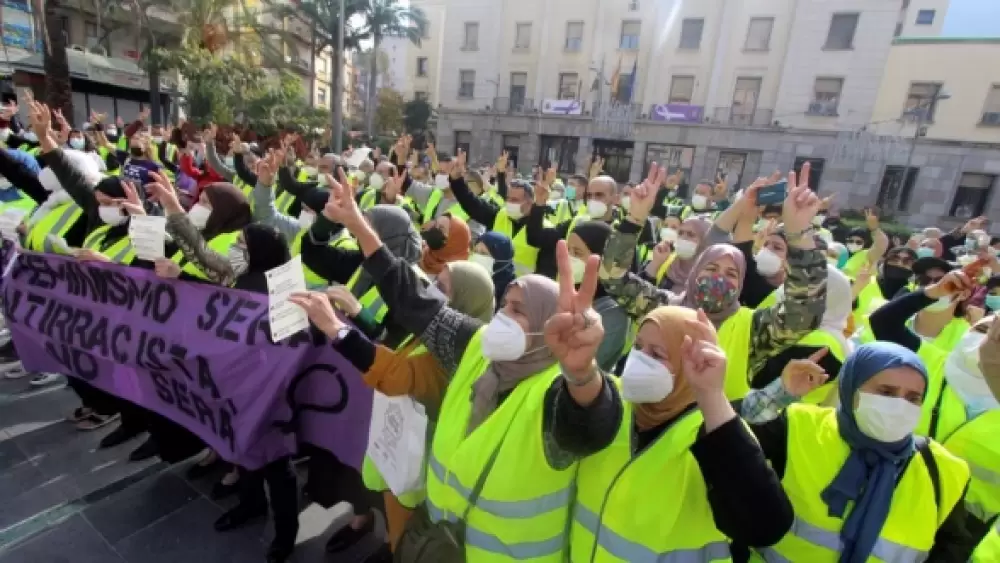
x=417, y=115
x=388, y=18
x=389, y=113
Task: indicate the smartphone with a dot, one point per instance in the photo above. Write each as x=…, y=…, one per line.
x=773, y=194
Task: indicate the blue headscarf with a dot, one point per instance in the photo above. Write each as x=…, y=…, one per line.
x=502, y=250
x=868, y=477
x=26, y=160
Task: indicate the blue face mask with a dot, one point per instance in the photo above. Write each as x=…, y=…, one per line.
x=924, y=252
x=570, y=192
x=993, y=302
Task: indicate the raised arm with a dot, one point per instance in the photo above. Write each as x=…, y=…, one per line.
x=212, y=154
x=264, y=210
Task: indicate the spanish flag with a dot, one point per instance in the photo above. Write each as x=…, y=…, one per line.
x=616, y=78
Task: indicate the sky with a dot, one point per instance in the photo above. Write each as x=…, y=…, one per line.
x=972, y=18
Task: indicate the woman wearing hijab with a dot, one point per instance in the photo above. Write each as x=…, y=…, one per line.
x=498, y=376
x=748, y=336
x=863, y=488
x=495, y=252
x=585, y=240
x=205, y=235
x=667, y=470
x=407, y=371
x=673, y=269
x=890, y=281
x=448, y=239
x=859, y=240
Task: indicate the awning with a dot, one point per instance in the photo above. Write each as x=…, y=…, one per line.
x=91, y=66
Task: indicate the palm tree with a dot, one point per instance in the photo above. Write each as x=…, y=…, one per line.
x=388, y=18
x=58, y=86
x=323, y=16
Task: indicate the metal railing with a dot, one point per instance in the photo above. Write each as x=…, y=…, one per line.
x=742, y=118
x=511, y=106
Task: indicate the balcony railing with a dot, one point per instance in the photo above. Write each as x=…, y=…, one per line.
x=741, y=117
x=517, y=105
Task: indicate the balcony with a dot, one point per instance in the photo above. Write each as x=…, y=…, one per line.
x=991, y=118
x=742, y=117
x=825, y=108
x=515, y=106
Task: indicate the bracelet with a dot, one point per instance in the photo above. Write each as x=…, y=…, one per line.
x=794, y=237
x=594, y=373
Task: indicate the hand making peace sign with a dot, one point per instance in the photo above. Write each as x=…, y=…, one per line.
x=575, y=332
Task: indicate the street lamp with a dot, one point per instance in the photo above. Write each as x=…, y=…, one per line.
x=338, y=93
x=922, y=111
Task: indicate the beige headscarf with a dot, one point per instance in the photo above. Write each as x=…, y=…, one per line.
x=670, y=320
x=541, y=296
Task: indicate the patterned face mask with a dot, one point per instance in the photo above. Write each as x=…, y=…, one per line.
x=713, y=292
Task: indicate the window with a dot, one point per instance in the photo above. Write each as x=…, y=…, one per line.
x=567, y=85
x=925, y=17
x=691, y=29
x=826, y=96
x=921, y=100
x=321, y=95
x=674, y=157
x=421, y=66
x=815, y=171
x=972, y=195
x=681, y=89
x=745, y=100
x=512, y=144
x=92, y=35
x=471, y=42
x=323, y=65
x=466, y=83
x=421, y=96
x=991, y=112
x=625, y=86
x=574, y=36
x=463, y=142
x=522, y=36
x=759, y=34
x=630, y=35
x=518, y=88
x=894, y=191
x=560, y=150
x=841, y=34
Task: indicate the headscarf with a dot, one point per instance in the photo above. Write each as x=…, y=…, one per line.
x=471, y=290
x=838, y=306
x=57, y=195
x=711, y=254
x=502, y=250
x=862, y=234
x=541, y=296
x=230, y=210
x=680, y=269
x=266, y=249
x=890, y=287
x=395, y=230
x=456, y=247
x=670, y=322
x=868, y=477
x=111, y=187
x=595, y=235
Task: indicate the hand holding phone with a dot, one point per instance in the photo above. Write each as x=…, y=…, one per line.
x=773, y=194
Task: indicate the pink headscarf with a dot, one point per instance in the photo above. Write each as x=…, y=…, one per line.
x=680, y=269
x=712, y=254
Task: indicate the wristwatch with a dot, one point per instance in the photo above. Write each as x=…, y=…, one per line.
x=342, y=334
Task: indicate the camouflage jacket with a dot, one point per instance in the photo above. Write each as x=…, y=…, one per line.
x=774, y=329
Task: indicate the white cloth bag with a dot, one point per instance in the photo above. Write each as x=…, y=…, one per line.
x=396, y=441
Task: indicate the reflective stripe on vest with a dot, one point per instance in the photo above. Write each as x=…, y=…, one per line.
x=525, y=255
x=664, y=267
x=884, y=549
x=632, y=551
x=734, y=339
x=284, y=202
x=855, y=263
x=434, y=201
x=313, y=281
x=120, y=250
x=220, y=244
x=57, y=222
x=975, y=442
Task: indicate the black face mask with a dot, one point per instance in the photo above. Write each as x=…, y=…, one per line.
x=137, y=152
x=435, y=238
x=895, y=273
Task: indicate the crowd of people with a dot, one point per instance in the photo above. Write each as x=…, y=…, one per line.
x=630, y=373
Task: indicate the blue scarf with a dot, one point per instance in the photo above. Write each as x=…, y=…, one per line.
x=868, y=477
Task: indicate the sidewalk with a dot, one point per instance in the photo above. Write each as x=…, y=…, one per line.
x=63, y=500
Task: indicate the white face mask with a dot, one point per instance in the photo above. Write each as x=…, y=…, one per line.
x=238, y=260
x=514, y=210
x=965, y=376
x=321, y=181
x=853, y=247
x=886, y=419
x=768, y=263
x=157, y=139
x=4, y=133
x=111, y=131
x=818, y=220
x=111, y=215
x=30, y=137
x=376, y=181
x=699, y=201
x=626, y=202
x=596, y=209
x=579, y=267
x=504, y=339
x=5, y=184
x=644, y=379
x=306, y=219
x=939, y=305
x=483, y=260
x=668, y=234
x=685, y=248
x=359, y=176
x=310, y=171
x=199, y=215
x=441, y=181
x=77, y=143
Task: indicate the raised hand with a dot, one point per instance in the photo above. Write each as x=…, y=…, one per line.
x=266, y=169
x=344, y=300
x=954, y=283
x=801, y=203
x=575, y=332
x=431, y=151
x=644, y=195
x=131, y=204
x=704, y=362
x=341, y=207
x=802, y=376
x=40, y=119
x=502, y=161
x=974, y=224
x=161, y=190
x=458, y=165
x=317, y=306
x=394, y=185
x=871, y=219
x=596, y=167
x=235, y=143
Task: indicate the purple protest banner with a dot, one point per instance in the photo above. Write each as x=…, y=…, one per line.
x=677, y=113
x=197, y=354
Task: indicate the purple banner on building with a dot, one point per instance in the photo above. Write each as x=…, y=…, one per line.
x=677, y=113
x=197, y=354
